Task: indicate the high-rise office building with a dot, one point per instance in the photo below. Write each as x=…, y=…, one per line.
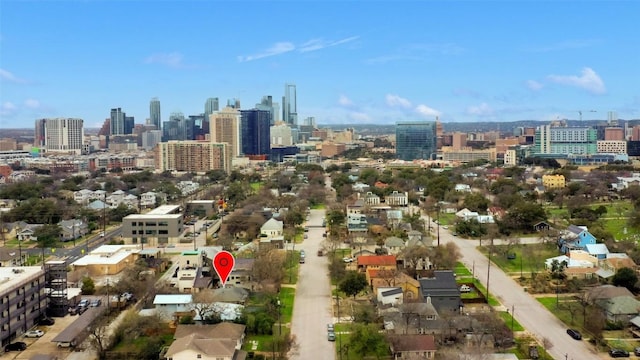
x=210, y=106
x=290, y=105
x=415, y=140
x=60, y=135
x=155, y=118
x=224, y=128
x=129, y=124
x=117, y=124
x=562, y=140
x=234, y=103
x=267, y=104
x=254, y=133
x=178, y=128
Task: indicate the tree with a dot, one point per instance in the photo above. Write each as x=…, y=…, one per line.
x=476, y=202
x=353, y=283
x=366, y=339
x=99, y=336
x=268, y=265
x=207, y=310
x=88, y=286
x=557, y=269
x=595, y=323
x=444, y=257
x=625, y=277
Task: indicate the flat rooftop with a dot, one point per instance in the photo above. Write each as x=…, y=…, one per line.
x=15, y=275
x=102, y=259
x=164, y=210
x=149, y=216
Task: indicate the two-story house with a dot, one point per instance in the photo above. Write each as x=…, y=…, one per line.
x=397, y=199
x=442, y=290
x=575, y=238
x=379, y=262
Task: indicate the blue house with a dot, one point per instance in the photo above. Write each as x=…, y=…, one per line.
x=575, y=238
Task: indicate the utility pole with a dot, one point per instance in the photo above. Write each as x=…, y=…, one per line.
x=194, y=236
x=438, y=223
x=489, y=268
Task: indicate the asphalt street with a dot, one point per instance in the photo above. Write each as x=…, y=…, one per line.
x=312, y=307
x=528, y=311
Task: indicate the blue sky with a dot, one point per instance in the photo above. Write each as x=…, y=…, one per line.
x=352, y=61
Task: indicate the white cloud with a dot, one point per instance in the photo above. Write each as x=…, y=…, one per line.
x=318, y=44
x=344, y=101
x=426, y=111
x=276, y=49
x=9, y=76
x=534, y=85
x=480, y=110
x=32, y=103
x=173, y=59
x=395, y=100
x=7, y=108
x=588, y=80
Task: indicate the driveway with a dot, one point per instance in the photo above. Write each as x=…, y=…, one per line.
x=312, y=306
x=534, y=317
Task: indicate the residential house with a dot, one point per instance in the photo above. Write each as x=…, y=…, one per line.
x=617, y=261
x=187, y=187
x=167, y=305
x=223, y=330
x=618, y=303
x=392, y=296
x=190, y=262
x=394, y=218
x=241, y=274
x=413, y=346
x=356, y=208
x=11, y=257
x=148, y=199
x=575, y=238
x=578, y=264
x=466, y=214
x=415, y=238
x=394, y=245
x=393, y=278
x=397, y=199
x=272, y=228
x=380, y=185
x=412, y=318
x=357, y=223
x=599, y=251
x=625, y=181
x=379, y=262
x=541, y=226
x=197, y=346
x=371, y=199
x=116, y=198
x=26, y=232
x=233, y=295
x=497, y=212
x=442, y=289
x=360, y=187
x=73, y=229
x=463, y=188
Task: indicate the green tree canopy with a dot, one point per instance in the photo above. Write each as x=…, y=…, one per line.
x=625, y=277
x=353, y=283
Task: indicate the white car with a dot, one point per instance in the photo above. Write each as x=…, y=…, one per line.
x=348, y=259
x=34, y=333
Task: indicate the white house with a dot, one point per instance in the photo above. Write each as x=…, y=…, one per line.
x=272, y=228
x=168, y=304
x=397, y=199
x=463, y=188
x=390, y=295
x=148, y=199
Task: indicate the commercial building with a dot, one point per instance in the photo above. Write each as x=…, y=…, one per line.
x=192, y=156
x=254, y=133
x=467, y=154
x=160, y=226
x=23, y=300
x=562, y=140
x=281, y=135
x=612, y=146
x=155, y=117
x=415, y=140
x=107, y=260
x=553, y=181
x=224, y=128
x=210, y=106
x=60, y=135
x=290, y=105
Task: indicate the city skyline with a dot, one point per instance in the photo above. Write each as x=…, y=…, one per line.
x=378, y=63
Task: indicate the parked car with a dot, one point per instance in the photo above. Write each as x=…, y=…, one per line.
x=465, y=288
x=636, y=351
x=330, y=328
x=348, y=259
x=127, y=296
x=574, y=334
x=331, y=336
x=46, y=321
x=616, y=353
x=306, y=236
x=96, y=303
x=302, y=253
x=34, y=333
x=16, y=346
x=83, y=303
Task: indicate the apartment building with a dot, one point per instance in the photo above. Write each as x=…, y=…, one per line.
x=612, y=146
x=553, y=181
x=22, y=300
x=160, y=226
x=193, y=156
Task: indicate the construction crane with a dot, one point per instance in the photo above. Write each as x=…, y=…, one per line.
x=580, y=113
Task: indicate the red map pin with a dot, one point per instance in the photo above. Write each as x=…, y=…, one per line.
x=224, y=262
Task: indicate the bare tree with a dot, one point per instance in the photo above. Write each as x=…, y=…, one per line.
x=99, y=336
x=206, y=309
x=269, y=265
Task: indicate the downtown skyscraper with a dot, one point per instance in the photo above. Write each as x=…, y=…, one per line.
x=416, y=140
x=65, y=135
x=290, y=105
x=210, y=106
x=154, y=113
x=117, y=123
x=255, y=133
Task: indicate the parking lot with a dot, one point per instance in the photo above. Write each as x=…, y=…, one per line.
x=42, y=345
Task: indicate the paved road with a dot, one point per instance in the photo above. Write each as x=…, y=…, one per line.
x=312, y=307
x=528, y=312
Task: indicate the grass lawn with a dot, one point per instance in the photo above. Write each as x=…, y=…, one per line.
x=287, y=296
x=137, y=344
x=461, y=270
x=263, y=342
x=318, y=206
x=529, y=257
x=491, y=301
x=616, y=228
x=511, y=323
x=255, y=186
x=291, y=267
x=562, y=311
